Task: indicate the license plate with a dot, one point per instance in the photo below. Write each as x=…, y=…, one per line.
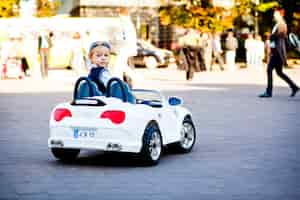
x=84, y=133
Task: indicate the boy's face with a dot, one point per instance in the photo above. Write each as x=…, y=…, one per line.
x=100, y=56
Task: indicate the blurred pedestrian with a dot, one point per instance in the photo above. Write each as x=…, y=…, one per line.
x=200, y=52
x=217, y=51
x=189, y=43
x=77, y=61
x=231, y=44
x=44, y=45
x=207, y=49
x=278, y=55
x=259, y=53
x=250, y=50
x=126, y=47
x=182, y=60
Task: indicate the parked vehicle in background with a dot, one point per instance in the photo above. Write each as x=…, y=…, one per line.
x=151, y=56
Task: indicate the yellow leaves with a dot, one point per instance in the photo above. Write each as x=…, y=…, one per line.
x=296, y=15
x=194, y=16
x=197, y=10
x=263, y=7
x=47, y=8
x=8, y=8
x=165, y=19
x=176, y=16
x=227, y=22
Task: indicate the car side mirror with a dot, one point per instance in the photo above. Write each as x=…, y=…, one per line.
x=174, y=101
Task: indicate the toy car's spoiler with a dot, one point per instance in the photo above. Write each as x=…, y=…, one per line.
x=85, y=101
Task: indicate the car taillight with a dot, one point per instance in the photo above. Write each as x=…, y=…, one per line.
x=115, y=116
x=61, y=113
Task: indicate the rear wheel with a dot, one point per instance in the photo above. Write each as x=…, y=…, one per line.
x=65, y=155
x=152, y=145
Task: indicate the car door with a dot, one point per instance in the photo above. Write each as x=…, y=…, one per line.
x=168, y=124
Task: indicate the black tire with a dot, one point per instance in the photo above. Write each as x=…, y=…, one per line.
x=65, y=155
x=187, y=140
x=152, y=141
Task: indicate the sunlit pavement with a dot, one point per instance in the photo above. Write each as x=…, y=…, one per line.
x=161, y=79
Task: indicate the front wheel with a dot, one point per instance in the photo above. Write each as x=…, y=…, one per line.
x=187, y=136
x=65, y=155
x=152, y=144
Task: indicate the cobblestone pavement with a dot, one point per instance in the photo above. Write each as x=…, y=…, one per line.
x=246, y=148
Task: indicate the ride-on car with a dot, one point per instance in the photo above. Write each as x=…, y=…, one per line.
x=152, y=57
x=138, y=121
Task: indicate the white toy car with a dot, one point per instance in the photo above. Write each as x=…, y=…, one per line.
x=112, y=124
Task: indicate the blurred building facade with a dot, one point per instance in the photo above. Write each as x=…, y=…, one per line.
x=144, y=13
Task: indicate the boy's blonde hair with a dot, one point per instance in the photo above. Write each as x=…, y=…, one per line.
x=97, y=44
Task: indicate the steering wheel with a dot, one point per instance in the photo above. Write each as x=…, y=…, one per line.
x=122, y=87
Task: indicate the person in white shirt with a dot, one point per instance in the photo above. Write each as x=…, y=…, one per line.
x=126, y=46
x=217, y=51
x=250, y=47
x=77, y=62
x=260, y=52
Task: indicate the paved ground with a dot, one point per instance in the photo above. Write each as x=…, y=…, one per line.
x=247, y=148
x=170, y=78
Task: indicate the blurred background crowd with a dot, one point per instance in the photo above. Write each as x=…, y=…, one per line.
x=193, y=35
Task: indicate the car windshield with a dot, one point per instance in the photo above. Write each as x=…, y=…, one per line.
x=147, y=95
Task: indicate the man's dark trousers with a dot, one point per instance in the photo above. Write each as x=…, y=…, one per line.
x=277, y=64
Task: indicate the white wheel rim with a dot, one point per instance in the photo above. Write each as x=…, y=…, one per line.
x=151, y=62
x=155, y=146
x=187, y=135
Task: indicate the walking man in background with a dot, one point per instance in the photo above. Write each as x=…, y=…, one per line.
x=278, y=55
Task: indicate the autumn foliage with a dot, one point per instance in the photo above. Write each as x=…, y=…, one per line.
x=45, y=8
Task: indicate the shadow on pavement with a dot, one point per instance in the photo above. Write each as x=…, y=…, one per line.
x=93, y=158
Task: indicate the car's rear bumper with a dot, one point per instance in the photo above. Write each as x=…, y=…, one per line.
x=102, y=139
